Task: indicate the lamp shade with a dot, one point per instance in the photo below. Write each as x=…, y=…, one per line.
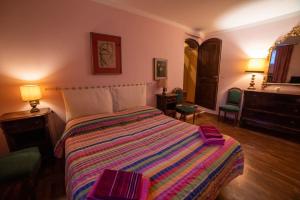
x=256, y=65
x=30, y=92
x=163, y=83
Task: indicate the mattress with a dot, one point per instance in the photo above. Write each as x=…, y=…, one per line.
x=168, y=152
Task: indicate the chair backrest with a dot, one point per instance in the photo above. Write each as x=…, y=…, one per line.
x=234, y=96
x=179, y=97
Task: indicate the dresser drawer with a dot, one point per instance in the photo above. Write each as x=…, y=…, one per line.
x=276, y=103
x=23, y=125
x=273, y=111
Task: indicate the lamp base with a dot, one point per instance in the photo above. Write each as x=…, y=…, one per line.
x=251, y=85
x=33, y=104
x=264, y=83
x=164, y=91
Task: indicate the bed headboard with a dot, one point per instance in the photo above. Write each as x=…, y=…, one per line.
x=86, y=100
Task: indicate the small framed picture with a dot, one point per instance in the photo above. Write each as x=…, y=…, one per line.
x=106, y=54
x=160, y=68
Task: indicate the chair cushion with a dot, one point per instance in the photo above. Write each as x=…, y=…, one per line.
x=229, y=108
x=19, y=164
x=185, y=109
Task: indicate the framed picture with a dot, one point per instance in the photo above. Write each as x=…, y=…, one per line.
x=160, y=68
x=106, y=54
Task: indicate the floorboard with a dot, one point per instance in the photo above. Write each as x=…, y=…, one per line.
x=272, y=165
x=272, y=168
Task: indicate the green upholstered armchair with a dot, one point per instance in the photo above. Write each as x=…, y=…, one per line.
x=233, y=103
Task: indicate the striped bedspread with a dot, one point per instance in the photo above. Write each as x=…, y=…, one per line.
x=168, y=152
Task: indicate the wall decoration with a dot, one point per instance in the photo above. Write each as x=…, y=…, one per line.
x=160, y=68
x=106, y=54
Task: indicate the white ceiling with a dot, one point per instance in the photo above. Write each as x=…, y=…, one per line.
x=209, y=15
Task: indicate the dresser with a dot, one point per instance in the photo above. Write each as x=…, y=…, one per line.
x=25, y=129
x=274, y=111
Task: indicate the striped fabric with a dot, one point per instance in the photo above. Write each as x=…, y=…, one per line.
x=211, y=136
x=101, y=121
x=210, y=132
x=113, y=184
x=168, y=152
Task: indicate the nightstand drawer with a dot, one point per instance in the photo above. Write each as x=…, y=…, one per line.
x=171, y=99
x=19, y=126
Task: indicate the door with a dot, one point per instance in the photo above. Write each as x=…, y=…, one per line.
x=209, y=56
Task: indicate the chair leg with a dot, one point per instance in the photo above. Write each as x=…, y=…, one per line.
x=234, y=122
x=182, y=117
x=194, y=117
x=225, y=115
x=219, y=115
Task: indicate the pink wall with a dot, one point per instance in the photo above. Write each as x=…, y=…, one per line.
x=47, y=42
x=240, y=44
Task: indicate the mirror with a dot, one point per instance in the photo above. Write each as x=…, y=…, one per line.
x=284, y=62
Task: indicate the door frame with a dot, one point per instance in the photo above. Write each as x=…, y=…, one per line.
x=192, y=43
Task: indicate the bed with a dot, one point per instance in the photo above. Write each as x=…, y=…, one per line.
x=169, y=152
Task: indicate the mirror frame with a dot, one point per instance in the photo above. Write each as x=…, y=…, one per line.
x=293, y=33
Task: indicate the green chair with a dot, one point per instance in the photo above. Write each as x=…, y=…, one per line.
x=233, y=103
x=183, y=107
x=19, y=168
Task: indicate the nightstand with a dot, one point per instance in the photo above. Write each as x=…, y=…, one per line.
x=167, y=103
x=24, y=129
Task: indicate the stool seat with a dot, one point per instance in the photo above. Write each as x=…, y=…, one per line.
x=188, y=109
x=19, y=164
x=185, y=109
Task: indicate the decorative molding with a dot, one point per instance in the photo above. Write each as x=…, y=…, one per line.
x=201, y=34
x=98, y=86
x=295, y=32
x=145, y=14
x=259, y=23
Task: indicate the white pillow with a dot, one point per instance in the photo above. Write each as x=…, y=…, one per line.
x=87, y=102
x=128, y=97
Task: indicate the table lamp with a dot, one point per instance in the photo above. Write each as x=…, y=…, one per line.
x=255, y=65
x=163, y=84
x=31, y=93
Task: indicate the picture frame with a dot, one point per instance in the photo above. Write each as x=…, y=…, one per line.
x=106, y=54
x=160, y=68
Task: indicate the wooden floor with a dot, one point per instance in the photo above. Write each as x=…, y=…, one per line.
x=272, y=168
x=272, y=165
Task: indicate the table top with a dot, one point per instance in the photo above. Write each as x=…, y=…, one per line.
x=168, y=95
x=23, y=115
x=276, y=92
